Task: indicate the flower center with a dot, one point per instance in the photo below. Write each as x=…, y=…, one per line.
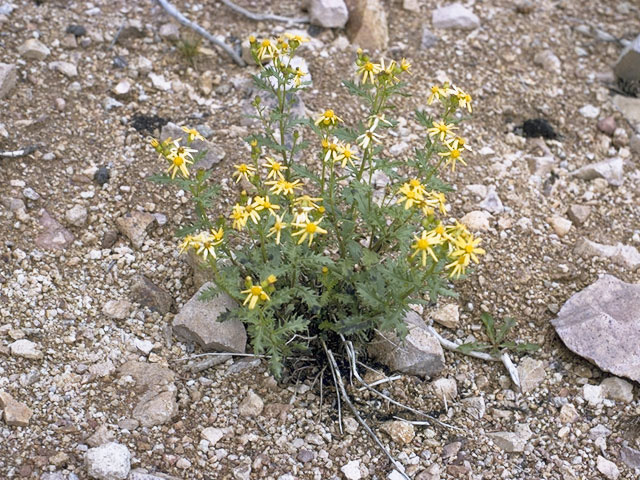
x=368, y=67
x=423, y=244
x=178, y=161
x=311, y=228
x=455, y=153
x=256, y=290
x=468, y=249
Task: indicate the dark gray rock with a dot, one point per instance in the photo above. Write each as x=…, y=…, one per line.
x=628, y=65
x=199, y=322
x=602, y=324
x=146, y=293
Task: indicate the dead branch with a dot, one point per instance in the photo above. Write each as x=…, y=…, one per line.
x=23, y=152
x=259, y=17
x=173, y=11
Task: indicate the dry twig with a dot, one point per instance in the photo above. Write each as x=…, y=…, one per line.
x=258, y=17
x=23, y=152
x=175, y=13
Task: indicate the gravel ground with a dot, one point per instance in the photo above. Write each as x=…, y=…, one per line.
x=75, y=382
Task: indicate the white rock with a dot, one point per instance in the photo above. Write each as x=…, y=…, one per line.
x=33, y=49
x=25, y=349
x=69, y=70
x=560, y=225
x=474, y=406
x=607, y=468
x=351, y=470
x=454, y=16
x=122, y=88
x=213, y=435
x=512, y=441
x=548, y=60
x=145, y=346
x=76, y=215
x=615, y=388
x=492, y=202
x=592, y=394
x=612, y=170
x=110, y=461
x=251, y=406
x=170, y=31
x=117, y=309
x=328, y=13
x=477, y=220
x=159, y=82
x=447, y=315
x=625, y=255
x=589, y=111
x=446, y=389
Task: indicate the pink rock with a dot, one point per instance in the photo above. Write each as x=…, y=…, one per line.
x=54, y=236
x=607, y=125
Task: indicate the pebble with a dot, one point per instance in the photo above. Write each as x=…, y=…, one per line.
x=474, y=406
x=101, y=436
x=589, y=111
x=400, y=431
x=560, y=225
x=31, y=194
x=625, y=255
x=568, y=413
x=328, y=13
x=251, y=406
x=146, y=293
x=111, y=461
x=69, y=70
x=159, y=82
x=592, y=394
x=607, y=125
x=579, y=214
x=617, y=389
x=531, y=373
x=548, y=61
x=102, y=176
x=117, y=309
x=76, y=215
x=447, y=315
x=8, y=78
x=170, y=31
x=213, y=435
x=183, y=463
x=351, y=470
x=25, y=349
x=122, y=88
x=16, y=414
x=512, y=441
x=607, y=468
x=477, y=220
x=492, y=202
x=33, y=49
x=612, y=170
x=135, y=225
x=446, y=389
x=455, y=16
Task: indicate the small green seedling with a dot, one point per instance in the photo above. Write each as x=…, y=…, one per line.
x=497, y=334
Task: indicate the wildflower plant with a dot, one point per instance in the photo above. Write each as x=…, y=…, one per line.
x=329, y=237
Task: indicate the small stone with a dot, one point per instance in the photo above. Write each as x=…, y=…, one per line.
x=589, y=111
x=524, y=6
x=560, y=225
x=110, y=461
x=69, y=70
x=548, y=61
x=109, y=239
x=147, y=376
x=30, y=194
x=607, y=468
x=512, y=441
x=531, y=373
x=101, y=176
x=101, y=436
x=431, y=473
x=198, y=321
x=16, y=414
x=144, y=346
x=568, y=413
x=155, y=408
x=579, y=213
x=607, y=125
x=454, y=16
x=428, y=39
x=25, y=349
x=8, y=79
x=146, y=293
x=33, y=49
x=446, y=389
x=328, y=13
x=170, y=31
x=592, y=394
x=631, y=457
x=367, y=25
x=492, y=202
x=628, y=106
x=117, y=309
x=541, y=166
x=54, y=236
x=411, y=5
x=159, y=83
x=122, y=88
x=135, y=225
x=242, y=472
x=351, y=470
x=474, y=406
x=599, y=431
x=76, y=215
x=305, y=456
x=628, y=65
x=400, y=431
x=447, y=315
x=634, y=143
x=183, y=463
x=625, y=255
x=612, y=170
x=251, y=406
x=615, y=388
x=213, y=435
x=350, y=425
x=102, y=369
x=77, y=30
x=477, y=220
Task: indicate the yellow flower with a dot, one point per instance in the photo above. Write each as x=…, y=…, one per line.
x=252, y=211
x=297, y=38
x=275, y=168
x=453, y=154
x=239, y=216
x=284, y=186
x=266, y=50
x=278, y=226
x=271, y=279
x=179, y=164
x=367, y=137
x=192, y=134
x=368, y=71
x=263, y=203
x=243, y=171
x=374, y=120
x=180, y=151
x=468, y=246
x=255, y=293
x=308, y=229
x=423, y=246
x=307, y=201
x=332, y=151
x=457, y=230
x=464, y=99
x=155, y=143
x=442, y=130
x=346, y=155
x=458, y=266
x=299, y=75
x=206, y=244
x=405, y=66
x=328, y=118
x=439, y=92
x=217, y=235
x=186, y=243
x=410, y=196
x=389, y=70
x=439, y=233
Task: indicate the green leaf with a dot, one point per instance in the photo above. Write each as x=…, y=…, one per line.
x=489, y=325
x=508, y=324
x=473, y=346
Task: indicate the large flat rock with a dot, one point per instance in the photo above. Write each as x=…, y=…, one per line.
x=602, y=324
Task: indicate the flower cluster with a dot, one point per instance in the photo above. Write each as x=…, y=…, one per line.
x=378, y=73
x=260, y=292
x=178, y=156
x=203, y=243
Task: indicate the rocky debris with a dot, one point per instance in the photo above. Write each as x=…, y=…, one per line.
x=367, y=25
x=8, y=78
x=213, y=435
x=101, y=436
x=531, y=373
x=69, y=70
x=146, y=293
x=431, y=473
x=251, y=406
x=560, y=225
x=454, y=16
x=328, y=13
x=492, y=202
x=33, y=49
x=445, y=389
x=102, y=369
x=54, y=236
x=628, y=65
x=102, y=176
x=159, y=82
x=170, y=31
x=110, y=461
x=628, y=106
x=578, y=214
x=548, y=61
x=117, y=309
x=592, y=394
x=76, y=216
x=214, y=153
x=199, y=322
x=514, y=441
x=419, y=354
x=477, y=220
x=589, y=111
x=156, y=407
x=25, y=349
x=568, y=413
x=400, y=431
x=614, y=388
x=624, y=255
x=602, y=324
x=474, y=406
x=447, y=315
x=352, y=470
x=631, y=457
x=16, y=414
x=135, y=225
x=607, y=125
x=607, y=468
x=612, y=170
x=147, y=375
x=538, y=127
x=428, y=39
